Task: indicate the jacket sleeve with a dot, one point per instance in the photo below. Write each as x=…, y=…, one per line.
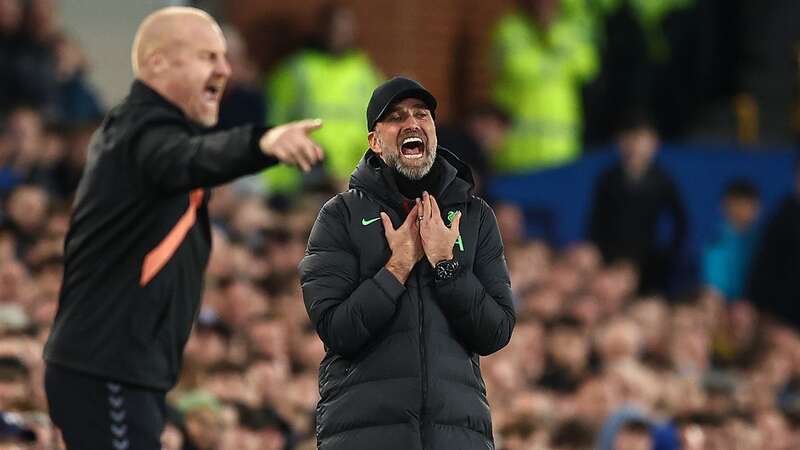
x=346, y=313
x=478, y=302
x=173, y=159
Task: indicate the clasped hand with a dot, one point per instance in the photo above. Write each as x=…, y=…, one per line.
x=423, y=233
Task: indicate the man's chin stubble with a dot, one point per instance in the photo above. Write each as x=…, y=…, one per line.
x=413, y=173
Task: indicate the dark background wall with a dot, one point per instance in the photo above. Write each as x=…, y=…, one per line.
x=443, y=43
x=726, y=48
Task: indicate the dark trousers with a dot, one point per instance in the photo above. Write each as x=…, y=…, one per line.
x=95, y=413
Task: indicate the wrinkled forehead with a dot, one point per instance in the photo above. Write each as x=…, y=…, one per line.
x=408, y=103
x=197, y=33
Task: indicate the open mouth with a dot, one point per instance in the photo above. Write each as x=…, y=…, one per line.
x=412, y=147
x=212, y=92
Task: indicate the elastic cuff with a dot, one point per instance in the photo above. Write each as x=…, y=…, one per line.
x=389, y=284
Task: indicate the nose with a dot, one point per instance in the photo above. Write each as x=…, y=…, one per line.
x=223, y=67
x=411, y=122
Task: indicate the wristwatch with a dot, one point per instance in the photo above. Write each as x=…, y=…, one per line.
x=446, y=270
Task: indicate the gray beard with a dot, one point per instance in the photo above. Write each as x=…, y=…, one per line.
x=412, y=173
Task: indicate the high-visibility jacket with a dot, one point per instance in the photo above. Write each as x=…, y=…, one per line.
x=538, y=81
x=334, y=88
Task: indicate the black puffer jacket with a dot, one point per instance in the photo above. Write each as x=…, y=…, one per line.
x=402, y=368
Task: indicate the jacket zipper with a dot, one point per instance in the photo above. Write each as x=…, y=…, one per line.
x=424, y=365
x=424, y=362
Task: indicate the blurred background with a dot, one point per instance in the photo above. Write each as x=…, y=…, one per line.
x=640, y=156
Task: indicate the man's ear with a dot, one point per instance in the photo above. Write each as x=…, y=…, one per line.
x=158, y=62
x=372, y=137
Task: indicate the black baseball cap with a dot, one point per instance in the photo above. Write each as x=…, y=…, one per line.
x=391, y=92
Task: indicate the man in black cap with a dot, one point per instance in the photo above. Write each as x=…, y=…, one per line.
x=406, y=308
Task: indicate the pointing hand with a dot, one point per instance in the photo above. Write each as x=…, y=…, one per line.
x=289, y=143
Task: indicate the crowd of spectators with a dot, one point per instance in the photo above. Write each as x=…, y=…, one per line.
x=591, y=361
x=600, y=357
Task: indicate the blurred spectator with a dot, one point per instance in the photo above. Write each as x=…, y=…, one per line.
x=542, y=56
x=25, y=139
x=67, y=172
x=14, y=390
x=204, y=423
x=243, y=101
x=768, y=41
x=619, y=341
x=511, y=221
x=522, y=434
x=567, y=356
x=76, y=102
x=572, y=435
x=631, y=201
x=480, y=136
x=41, y=65
x=268, y=338
x=35, y=56
x=209, y=343
x=26, y=214
x=726, y=258
x=11, y=14
x=774, y=284
x=8, y=177
x=332, y=80
x=634, y=435
x=740, y=338
x=625, y=426
x=266, y=428
x=174, y=434
x=648, y=53
x=35, y=152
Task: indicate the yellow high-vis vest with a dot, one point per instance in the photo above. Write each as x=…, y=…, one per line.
x=538, y=79
x=334, y=88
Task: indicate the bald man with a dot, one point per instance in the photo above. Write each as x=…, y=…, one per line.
x=139, y=236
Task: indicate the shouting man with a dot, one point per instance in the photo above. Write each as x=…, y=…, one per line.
x=139, y=236
x=405, y=281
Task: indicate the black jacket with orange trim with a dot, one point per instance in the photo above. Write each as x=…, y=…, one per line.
x=139, y=240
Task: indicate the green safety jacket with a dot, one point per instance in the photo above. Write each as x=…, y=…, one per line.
x=334, y=88
x=538, y=81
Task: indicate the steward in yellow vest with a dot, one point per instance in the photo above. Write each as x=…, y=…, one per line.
x=542, y=58
x=333, y=83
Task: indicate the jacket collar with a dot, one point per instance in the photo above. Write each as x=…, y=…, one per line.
x=142, y=93
x=455, y=186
